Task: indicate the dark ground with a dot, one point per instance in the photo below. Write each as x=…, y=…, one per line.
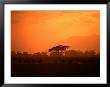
x=55, y=70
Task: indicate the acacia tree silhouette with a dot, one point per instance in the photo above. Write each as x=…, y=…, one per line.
x=59, y=50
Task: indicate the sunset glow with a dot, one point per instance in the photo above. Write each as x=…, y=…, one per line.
x=37, y=31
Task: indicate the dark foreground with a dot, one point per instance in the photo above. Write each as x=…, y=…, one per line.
x=55, y=70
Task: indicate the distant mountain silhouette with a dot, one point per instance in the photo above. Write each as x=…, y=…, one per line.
x=83, y=43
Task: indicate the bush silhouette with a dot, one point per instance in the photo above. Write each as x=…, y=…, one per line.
x=58, y=54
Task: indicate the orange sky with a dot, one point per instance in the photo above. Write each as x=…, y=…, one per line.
x=34, y=31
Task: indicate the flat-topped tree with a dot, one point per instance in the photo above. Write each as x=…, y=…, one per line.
x=58, y=50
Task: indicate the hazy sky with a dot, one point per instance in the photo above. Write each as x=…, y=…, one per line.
x=34, y=31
